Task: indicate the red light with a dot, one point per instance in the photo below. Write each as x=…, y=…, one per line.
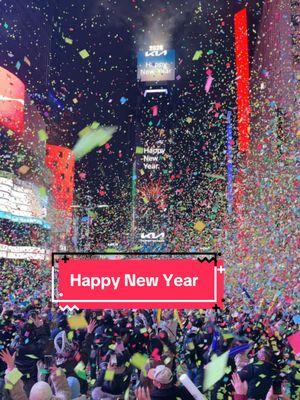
x=12, y=94
x=60, y=160
x=242, y=69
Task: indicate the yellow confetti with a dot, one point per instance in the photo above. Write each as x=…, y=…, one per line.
x=84, y=54
x=77, y=322
x=199, y=226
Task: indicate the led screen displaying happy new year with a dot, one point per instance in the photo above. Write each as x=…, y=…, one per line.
x=156, y=65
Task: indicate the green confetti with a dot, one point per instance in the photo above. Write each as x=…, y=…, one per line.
x=84, y=54
x=95, y=125
x=139, y=361
x=32, y=356
x=139, y=150
x=80, y=370
x=91, y=139
x=14, y=376
x=215, y=370
x=8, y=386
x=197, y=55
x=42, y=135
x=109, y=375
x=68, y=40
x=44, y=371
x=42, y=192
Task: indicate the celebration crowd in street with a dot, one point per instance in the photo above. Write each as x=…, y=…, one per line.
x=233, y=353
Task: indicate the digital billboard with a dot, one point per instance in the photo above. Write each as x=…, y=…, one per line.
x=156, y=65
x=243, y=75
x=61, y=160
x=20, y=202
x=12, y=94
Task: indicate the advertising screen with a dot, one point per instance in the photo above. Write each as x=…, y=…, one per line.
x=156, y=65
x=12, y=93
x=60, y=160
x=20, y=202
x=23, y=252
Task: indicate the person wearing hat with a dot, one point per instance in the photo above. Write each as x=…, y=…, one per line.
x=164, y=388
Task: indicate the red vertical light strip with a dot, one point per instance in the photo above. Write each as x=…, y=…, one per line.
x=242, y=69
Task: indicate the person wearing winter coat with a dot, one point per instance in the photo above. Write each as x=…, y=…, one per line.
x=116, y=368
x=69, y=353
x=163, y=386
x=34, y=337
x=253, y=372
x=40, y=390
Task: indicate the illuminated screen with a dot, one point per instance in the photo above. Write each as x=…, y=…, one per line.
x=60, y=160
x=20, y=202
x=12, y=93
x=243, y=76
x=156, y=65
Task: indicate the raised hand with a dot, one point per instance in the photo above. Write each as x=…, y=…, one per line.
x=91, y=326
x=8, y=359
x=240, y=387
x=142, y=394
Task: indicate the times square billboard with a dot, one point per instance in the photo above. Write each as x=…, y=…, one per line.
x=156, y=65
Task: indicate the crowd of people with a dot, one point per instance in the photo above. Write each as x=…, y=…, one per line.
x=47, y=353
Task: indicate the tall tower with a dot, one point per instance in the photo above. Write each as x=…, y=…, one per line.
x=150, y=182
x=263, y=236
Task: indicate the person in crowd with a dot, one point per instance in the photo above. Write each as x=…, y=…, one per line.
x=164, y=388
x=40, y=390
x=69, y=353
x=95, y=361
x=260, y=375
x=30, y=346
x=114, y=375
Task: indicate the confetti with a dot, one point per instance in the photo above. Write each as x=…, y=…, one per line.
x=215, y=370
x=77, y=322
x=14, y=376
x=84, y=54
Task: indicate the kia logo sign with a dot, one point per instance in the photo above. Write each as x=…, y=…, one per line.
x=156, y=53
x=153, y=237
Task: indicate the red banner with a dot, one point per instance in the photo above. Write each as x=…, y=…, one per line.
x=140, y=283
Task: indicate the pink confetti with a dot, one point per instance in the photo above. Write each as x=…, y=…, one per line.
x=208, y=83
x=154, y=111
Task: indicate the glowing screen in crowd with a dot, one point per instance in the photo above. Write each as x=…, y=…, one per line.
x=156, y=65
x=12, y=93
